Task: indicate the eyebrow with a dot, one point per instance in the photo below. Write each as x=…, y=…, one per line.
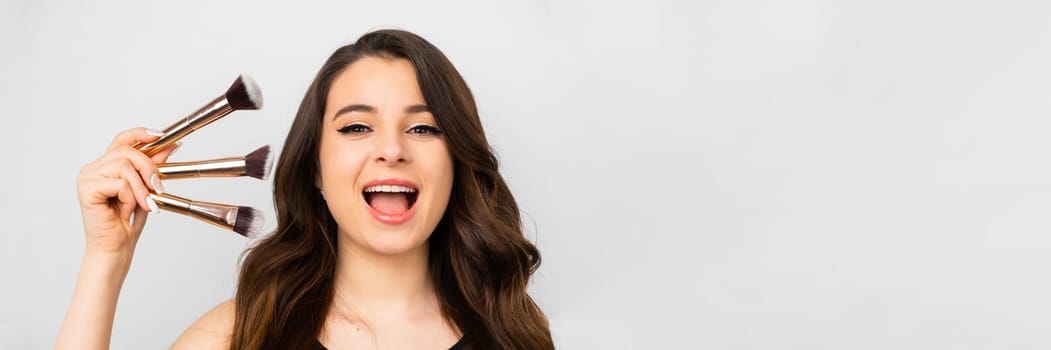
x=369, y=109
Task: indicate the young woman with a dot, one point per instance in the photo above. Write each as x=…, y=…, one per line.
x=395, y=228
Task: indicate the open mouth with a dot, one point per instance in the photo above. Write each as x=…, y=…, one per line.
x=390, y=199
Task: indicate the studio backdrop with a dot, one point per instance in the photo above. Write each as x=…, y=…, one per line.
x=696, y=174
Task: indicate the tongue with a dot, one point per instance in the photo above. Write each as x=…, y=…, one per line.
x=390, y=203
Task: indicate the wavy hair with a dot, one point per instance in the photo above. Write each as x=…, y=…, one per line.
x=479, y=260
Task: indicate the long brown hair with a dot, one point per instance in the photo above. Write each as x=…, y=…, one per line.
x=480, y=262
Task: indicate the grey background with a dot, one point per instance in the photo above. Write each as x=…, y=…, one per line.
x=697, y=174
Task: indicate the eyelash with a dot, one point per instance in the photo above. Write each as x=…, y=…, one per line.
x=361, y=128
x=427, y=129
x=351, y=129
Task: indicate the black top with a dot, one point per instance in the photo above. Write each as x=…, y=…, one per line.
x=457, y=346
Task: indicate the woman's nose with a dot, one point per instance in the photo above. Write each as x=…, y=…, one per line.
x=390, y=149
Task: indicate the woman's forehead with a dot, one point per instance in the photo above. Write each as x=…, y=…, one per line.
x=383, y=83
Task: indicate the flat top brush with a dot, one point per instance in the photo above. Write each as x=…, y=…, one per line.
x=243, y=94
x=256, y=164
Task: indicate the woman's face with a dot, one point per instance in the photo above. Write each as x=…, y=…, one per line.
x=385, y=171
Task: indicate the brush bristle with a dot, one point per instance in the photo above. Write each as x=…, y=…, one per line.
x=259, y=163
x=244, y=94
x=249, y=222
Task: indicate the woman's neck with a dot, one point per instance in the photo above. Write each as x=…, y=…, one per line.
x=370, y=285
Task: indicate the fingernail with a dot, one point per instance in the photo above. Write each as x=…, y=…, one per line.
x=152, y=204
x=131, y=218
x=176, y=149
x=154, y=132
x=155, y=180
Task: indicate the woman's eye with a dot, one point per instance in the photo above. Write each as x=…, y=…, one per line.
x=425, y=130
x=354, y=129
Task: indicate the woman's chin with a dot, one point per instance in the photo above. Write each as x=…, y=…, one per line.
x=392, y=244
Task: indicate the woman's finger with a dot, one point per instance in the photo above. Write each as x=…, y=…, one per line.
x=162, y=156
x=129, y=173
x=115, y=193
x=140, y=220
x=96, y=191
x=134, y=136
x=122, y=168
x=127, y=203
x=144, y=165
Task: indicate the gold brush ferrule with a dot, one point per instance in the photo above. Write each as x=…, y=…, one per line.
x=222, y=167
x=217, y=214
x=211, y=112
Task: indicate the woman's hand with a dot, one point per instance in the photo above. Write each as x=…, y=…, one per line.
x=113, y=191
x=110, y=190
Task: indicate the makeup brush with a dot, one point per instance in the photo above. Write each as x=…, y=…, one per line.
x=256, y=164
x=243, y=94
x=246, y=221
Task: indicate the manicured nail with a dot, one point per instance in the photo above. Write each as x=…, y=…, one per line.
x=131, y=218
x=152, y=204
x=176, y=149
x=154, y=132
x=155, y=180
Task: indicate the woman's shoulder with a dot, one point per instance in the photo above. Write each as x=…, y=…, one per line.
x=211, y=331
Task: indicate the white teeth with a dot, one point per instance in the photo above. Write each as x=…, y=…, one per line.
x=390, y=188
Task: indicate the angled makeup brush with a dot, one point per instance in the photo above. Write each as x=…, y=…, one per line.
x=243, y=94
x=246, y=221
x=256, y=164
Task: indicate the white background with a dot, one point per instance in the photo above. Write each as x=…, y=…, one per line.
x=697, y=174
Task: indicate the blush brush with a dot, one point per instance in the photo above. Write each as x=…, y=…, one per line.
x=246, y=221
x=243, y=94
x=256, y=164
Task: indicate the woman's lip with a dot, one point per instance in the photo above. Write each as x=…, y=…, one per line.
x=391, y=181
x=392, y=219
